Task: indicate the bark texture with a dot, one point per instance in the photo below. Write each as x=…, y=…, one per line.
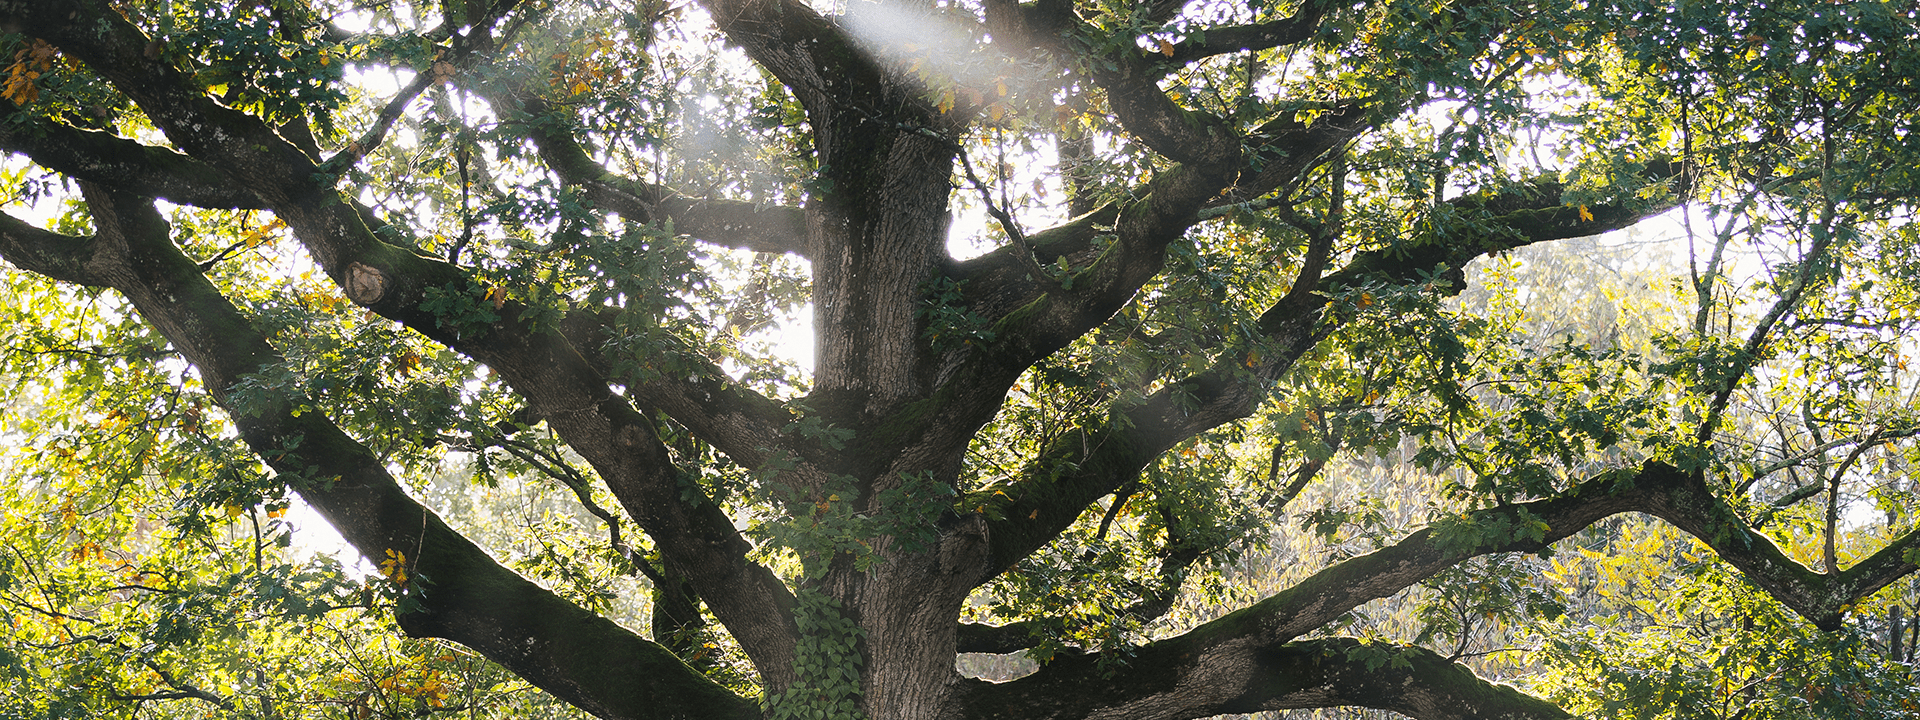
x=875, y=234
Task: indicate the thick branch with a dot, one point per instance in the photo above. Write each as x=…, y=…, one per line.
x=696, y=538
x=61, y=257
x=1016, y=636
x=1209, y=671
x=465, y=595
x=122, y=163
x=1169, y=680
x=741, y=423
x=812, y=57
x=1690, y=505
x=1102, y=459
x=1260, y=36
x=999, y=287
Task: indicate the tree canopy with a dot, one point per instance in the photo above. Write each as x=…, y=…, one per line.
x=1213, y=357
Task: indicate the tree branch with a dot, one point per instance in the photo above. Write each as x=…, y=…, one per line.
x=111, y=160
x=1016, y=636
x=730, y=223
x=807, y=52
x=61, y=257
x=1100, y=459
x=1205, y=671
x=1687, y=503
x=696, y=538
x=1173, y=680
x=1291, y=30
x=465, y=595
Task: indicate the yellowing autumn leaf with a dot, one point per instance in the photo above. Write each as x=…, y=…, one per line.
x=263, y=233
x=395, y=566
x=28, y=63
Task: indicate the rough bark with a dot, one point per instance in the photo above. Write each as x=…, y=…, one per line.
x=464, y=595
x=559, y=384
x=1172, y=681
x=874, y=229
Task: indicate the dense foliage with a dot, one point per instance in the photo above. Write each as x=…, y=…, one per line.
x=757, y=359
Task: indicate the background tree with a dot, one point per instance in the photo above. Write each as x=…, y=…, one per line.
x=1200, y=250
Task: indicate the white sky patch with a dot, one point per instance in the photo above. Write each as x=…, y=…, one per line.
x=378, y=80
x=313, y=536
x=353, y=21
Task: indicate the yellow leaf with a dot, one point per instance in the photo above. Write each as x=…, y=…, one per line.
x=1585, y=215
x=1000, y=86
x=395, y=566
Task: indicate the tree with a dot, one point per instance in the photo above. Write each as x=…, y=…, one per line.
x=560, y=246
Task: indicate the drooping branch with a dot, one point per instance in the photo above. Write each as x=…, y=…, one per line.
x=1689, y=504
x=1169, y=680
x=1207, y=671
x=696, y=538
x=465, y=596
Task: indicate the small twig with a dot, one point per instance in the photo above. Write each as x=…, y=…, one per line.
x=1007, y=224
x=1877, y=437
x=1120, y=498
x=584, y=492
x=377, y=134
